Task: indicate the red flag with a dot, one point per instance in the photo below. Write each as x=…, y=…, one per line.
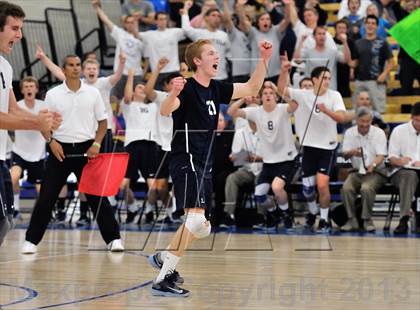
x=103, y=175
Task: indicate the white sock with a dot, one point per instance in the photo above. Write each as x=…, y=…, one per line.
x=313, y=207
x=133, y=207
x=162, y=255
x=16, y=203
x=324, y=213
x=149, y=207
x=169, y=264
x=112, y=201
x=168, y=212
x=284, y=207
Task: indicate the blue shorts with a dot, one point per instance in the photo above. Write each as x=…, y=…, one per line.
x=192, y=188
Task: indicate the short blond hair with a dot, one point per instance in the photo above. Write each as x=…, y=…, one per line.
x=28, y=79
x=194, y=50
x=90, y=61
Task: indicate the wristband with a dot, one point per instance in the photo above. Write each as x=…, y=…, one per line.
x=98, y=145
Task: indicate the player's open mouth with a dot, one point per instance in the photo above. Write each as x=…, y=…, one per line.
x=215, y=66
x=91, y=76
x=29, y=94
x=11, y=44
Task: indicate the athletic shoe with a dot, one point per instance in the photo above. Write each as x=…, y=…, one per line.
x=273, y=217
x=168, y=288
x=116, y=246
x=324, y=226
x=83, y=221
x=310, y=220
x=228, y=220
x=155, y=261
x=130, y=217
x=288, y=218
x=28, y=248
x=368, y=225
x=149, y=217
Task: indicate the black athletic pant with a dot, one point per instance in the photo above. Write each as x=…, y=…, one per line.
x=55, y=177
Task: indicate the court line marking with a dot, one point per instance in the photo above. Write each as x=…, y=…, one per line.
x=77, y=301
x=31, y=257
x=31, y=294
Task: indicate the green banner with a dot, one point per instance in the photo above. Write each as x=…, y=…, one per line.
x=407, y=34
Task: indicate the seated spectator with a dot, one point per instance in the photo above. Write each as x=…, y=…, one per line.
x=245, y=140
x=142, y=10
x=404, y=156
x=365, y=145
x=373, y=62
x=383, y=25
x=321, y=55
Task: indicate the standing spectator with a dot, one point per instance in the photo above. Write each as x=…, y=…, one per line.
x=366, y=146
x=321, y=55
x=142, y=10
x=83, y=128
x=198, y=21
x=241, y=49
x=128, y=42
x=343, y=69
x=322, y=14
x=212, y=32
x=163, y=43
x=344, y=8
x=383, y=25
x=28, y=150
x=373, y=62
x=355, y=20
x=265, y=30
x=403, y=154
x=304, y=31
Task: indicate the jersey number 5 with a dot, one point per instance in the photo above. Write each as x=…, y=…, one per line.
x=211, y=107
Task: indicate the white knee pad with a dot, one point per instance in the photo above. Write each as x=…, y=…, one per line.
x=308, y=188
x=198, y=225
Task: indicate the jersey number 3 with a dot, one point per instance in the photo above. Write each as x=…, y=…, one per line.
x=211, y=107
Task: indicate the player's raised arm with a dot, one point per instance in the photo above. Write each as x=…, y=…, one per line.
x=172, y=102
x=253, y=85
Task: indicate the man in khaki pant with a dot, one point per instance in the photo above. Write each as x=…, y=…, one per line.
x=365, y=145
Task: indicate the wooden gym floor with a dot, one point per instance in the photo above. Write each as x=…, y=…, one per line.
x=225, y=271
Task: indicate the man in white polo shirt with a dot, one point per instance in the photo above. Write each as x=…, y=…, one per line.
x=404, y=154
x=83, y=128
x=319, y=110
x=11, y=115
x=365, y=145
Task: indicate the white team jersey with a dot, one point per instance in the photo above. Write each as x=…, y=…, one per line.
x=220, y=40
x=275, y=132
x=322, y=130
x=163, y=44
x=30, y=144
x=164, y=124
x=132, y=47
x=301, y=29
x=6, y=76
x=103, y=84
x=139, y=121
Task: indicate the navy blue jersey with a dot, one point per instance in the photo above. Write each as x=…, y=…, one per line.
x=196, y=120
